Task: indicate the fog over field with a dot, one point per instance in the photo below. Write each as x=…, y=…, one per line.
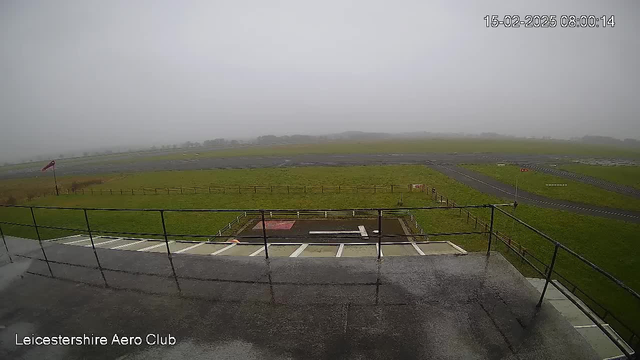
x=87, y=74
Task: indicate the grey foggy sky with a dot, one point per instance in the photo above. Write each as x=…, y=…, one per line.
x=84, y=74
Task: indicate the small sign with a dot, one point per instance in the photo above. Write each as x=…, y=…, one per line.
x=417, y=186
x=501, y=164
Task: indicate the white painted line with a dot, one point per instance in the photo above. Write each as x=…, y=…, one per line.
x=155, y=246
x=125, y=245
x=104, y=242
x=363, y=232
x=334, y=232
x=462, y=251
x=189, y=248
x=259, y=250
x=415, y=246
x=299, y=250
x=340, y=249
x=224, y=248
x=63, y=238
x=586, y=326
x=77, y=241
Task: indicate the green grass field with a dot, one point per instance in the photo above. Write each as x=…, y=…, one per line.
x=608, y=243
x=535, y=182
x=414, y=146
x=506, y=146
x=624, y=175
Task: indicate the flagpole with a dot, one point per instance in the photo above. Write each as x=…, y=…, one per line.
x=55, y=180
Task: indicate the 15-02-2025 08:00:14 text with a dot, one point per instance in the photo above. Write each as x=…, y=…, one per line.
x=550, y=21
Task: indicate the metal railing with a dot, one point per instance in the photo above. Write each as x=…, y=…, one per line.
x=379, y=213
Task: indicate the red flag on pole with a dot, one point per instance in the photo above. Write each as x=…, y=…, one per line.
x=52, y=163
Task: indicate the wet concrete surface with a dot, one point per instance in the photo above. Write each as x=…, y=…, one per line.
x=421, y=307
x=489, y=185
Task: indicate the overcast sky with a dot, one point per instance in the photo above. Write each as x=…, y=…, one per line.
x=83, y=74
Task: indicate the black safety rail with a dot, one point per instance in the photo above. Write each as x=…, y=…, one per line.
x=547, y=271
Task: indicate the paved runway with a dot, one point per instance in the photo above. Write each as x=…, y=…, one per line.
x=489, y=185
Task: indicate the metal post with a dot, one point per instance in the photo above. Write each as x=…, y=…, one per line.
x=166, y=242
x=549, y=273
x=490, y=230
x=35, y=225
x=55, y=179
x=264, y=235
x=379, y=234
x=5, y=244
x=93, y=246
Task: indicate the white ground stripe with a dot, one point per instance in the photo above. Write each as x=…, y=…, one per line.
x=415, y=246
x=259, y=250
x=299, y=250
x=189, y=248
x=363, y=232
x=77, y=241
x=462, y=251
x=224, y=249
x=586, y=326
x=101, y=243
x=340, y=249
x=155, y=246
x=125, y=245
x=63, y=238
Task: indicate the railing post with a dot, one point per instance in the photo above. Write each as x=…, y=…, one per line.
x=264, y=235
x=5, y=244
x=379, y=234
x=35, y=225
x=490, y=229
x=93, y=246
x=549, y=273
x=166, y=242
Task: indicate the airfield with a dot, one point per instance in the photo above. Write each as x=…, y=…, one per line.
x=595, y=216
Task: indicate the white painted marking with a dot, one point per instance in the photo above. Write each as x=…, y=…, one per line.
x=224, y=249
x=586, y=326
x=189, y=248
x=415, y=246
x=125, y=245
x=77, y=241
x=462, y=251
x=104, y=242
x=334, y=232
x=155, y=246
x=340, y=249
x=363, y=232
x=259, y=250
x=63, y=238
x=299, y=250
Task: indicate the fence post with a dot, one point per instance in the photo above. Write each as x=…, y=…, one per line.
x=35, y=225
x=209, y=189
x=467, y=216
x=93, y=245
x=490, y=229
x=91, y=191
x=339, y=189
x=391, y=188
x=254, y=190
x=322, y=189
x=264, y=235
x=476, y=225
x=549, y=273
x=131, y=191
x=5, y=244
x=379, y=234
x=166, y=242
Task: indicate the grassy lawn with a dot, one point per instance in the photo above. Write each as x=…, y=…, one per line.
x=27, y=189
x=412, y=146
x=520, y=146
x=608, y=243
x=624, y=175
x=535, y=182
